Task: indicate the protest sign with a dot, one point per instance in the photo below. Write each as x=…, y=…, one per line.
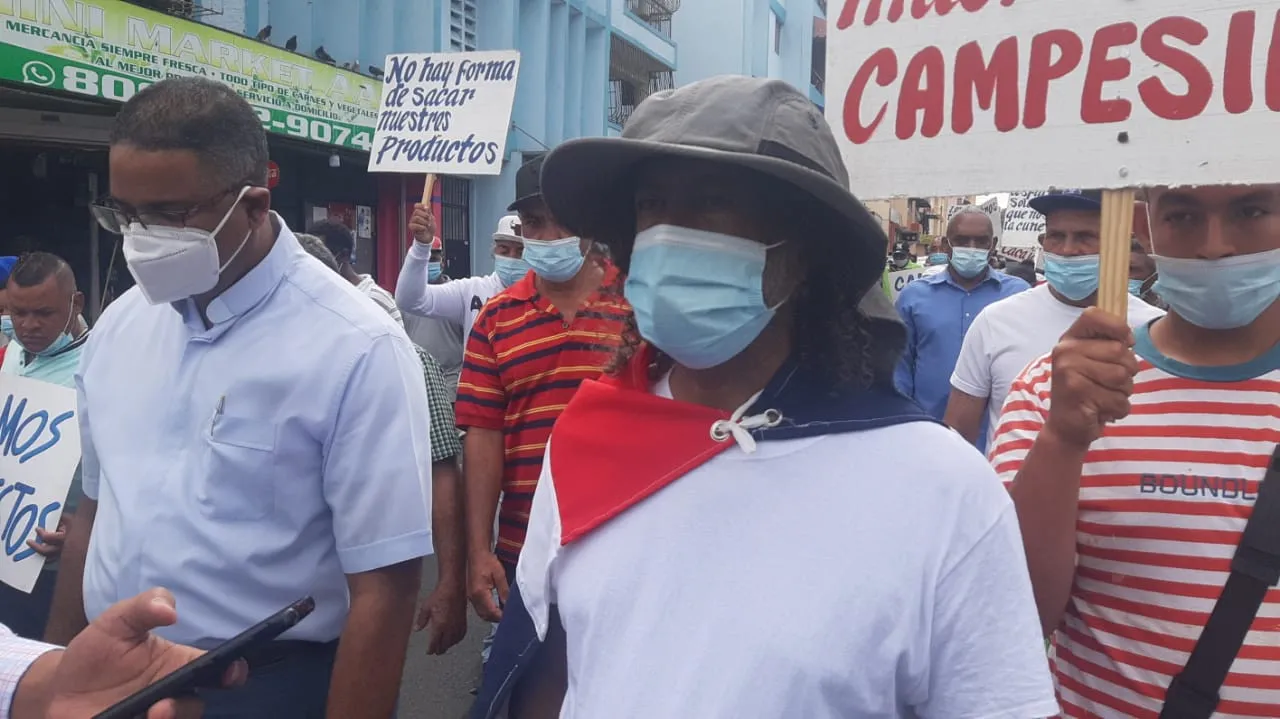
x=992, y=209
x=1020, y=238
x=1003, y=94
x=39, y=451
x=445, y=113
x=901, y=278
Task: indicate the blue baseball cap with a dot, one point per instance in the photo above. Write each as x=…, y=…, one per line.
x=1088, y=200
x=6, y=266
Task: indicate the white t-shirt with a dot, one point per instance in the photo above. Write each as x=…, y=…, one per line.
x=793, y=583
x=1011, y=334
x=384, y=299
x=455, y=301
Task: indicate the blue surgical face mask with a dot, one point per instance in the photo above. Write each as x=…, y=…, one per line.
x=1135, y=287
x=937, y=258
x=1073, y=277
x=1221, y=294
x=6, y=326
x=434, y=270
x=697, y=295
x=510, y=269
x=554, y=260
x=968, y=262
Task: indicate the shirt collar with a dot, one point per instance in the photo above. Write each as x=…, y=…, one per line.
x=253, y=287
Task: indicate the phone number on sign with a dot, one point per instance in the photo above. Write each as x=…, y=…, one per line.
x=84, y=81
x=310, y=129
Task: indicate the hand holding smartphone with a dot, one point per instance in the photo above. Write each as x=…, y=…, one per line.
x=207, y=671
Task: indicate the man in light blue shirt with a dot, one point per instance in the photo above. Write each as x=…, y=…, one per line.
x=43, y=318
x=233, y=453
x=939, y=309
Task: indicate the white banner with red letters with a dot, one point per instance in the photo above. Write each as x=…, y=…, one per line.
x=992, y=94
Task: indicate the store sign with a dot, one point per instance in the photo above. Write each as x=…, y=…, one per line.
x=446, y=113
x=110, y=50
x=39, y=451
x=1001, y=94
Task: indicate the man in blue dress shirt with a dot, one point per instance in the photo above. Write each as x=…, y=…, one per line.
x=232, y=453
x=939, y=309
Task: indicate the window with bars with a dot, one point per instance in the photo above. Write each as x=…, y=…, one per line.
x=462, y=25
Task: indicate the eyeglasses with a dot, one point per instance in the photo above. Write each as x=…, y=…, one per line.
x=114, y=216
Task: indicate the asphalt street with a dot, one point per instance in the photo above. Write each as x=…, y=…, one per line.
x=440, y=687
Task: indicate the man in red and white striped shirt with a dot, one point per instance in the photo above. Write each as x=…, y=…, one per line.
x=1134, y=476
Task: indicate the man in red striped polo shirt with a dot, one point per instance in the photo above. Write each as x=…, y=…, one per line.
x=1134, y=476
x=529, y=349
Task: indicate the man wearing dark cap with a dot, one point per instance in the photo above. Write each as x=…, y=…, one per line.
x=529, y=349
x=1010, y=334
x=703, y=541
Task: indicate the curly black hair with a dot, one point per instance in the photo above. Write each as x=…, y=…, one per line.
x=834, y=340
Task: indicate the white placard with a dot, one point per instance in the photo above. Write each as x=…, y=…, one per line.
x=364, y=222
x=1001, y=94
x=992, y=209
x=39, y=451
x=1020, y=238
x=446, y=113
x=901, y=278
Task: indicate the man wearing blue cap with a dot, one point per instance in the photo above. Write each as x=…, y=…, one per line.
x=1007, y=336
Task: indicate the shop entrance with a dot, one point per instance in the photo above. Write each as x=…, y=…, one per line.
x=45, y=193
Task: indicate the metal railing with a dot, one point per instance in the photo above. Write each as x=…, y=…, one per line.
x=654, y=13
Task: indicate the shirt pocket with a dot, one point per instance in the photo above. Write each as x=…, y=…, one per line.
x=239, y=469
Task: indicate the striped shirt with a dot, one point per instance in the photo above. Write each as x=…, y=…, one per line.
x=522, y=365
x=1164, y=496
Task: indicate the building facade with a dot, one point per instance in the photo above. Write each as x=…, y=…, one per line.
x=584, y=65
x=784, y=39
x=65, y=67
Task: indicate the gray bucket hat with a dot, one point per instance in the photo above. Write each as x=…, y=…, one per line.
x=759, y=124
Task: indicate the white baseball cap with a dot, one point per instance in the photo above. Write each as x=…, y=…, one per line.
x=509, y=229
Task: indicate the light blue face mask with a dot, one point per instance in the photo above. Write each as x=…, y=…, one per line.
x=1135, y=287
x=1221, y=294
x=937, y=258
x=968, y=262
x=6, y=326
x=1073, y=277
x=554, y=260
x=510, y=269
x=697, y=295
x=434, y=270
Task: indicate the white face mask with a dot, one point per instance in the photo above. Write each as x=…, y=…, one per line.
x=174, y=263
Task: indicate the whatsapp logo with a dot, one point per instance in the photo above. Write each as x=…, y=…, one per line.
x=38, y=73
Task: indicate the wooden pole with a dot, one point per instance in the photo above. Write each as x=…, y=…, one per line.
x=1117, y=233
x=427, y=187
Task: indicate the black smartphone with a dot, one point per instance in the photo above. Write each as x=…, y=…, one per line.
x=207, y=671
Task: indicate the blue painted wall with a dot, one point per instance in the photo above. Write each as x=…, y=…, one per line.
x=564, y=73
x=742, y=32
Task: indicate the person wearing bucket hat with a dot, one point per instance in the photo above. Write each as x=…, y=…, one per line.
x=757, y=371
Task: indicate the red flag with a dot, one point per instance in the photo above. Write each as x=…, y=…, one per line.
x=617, y=443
